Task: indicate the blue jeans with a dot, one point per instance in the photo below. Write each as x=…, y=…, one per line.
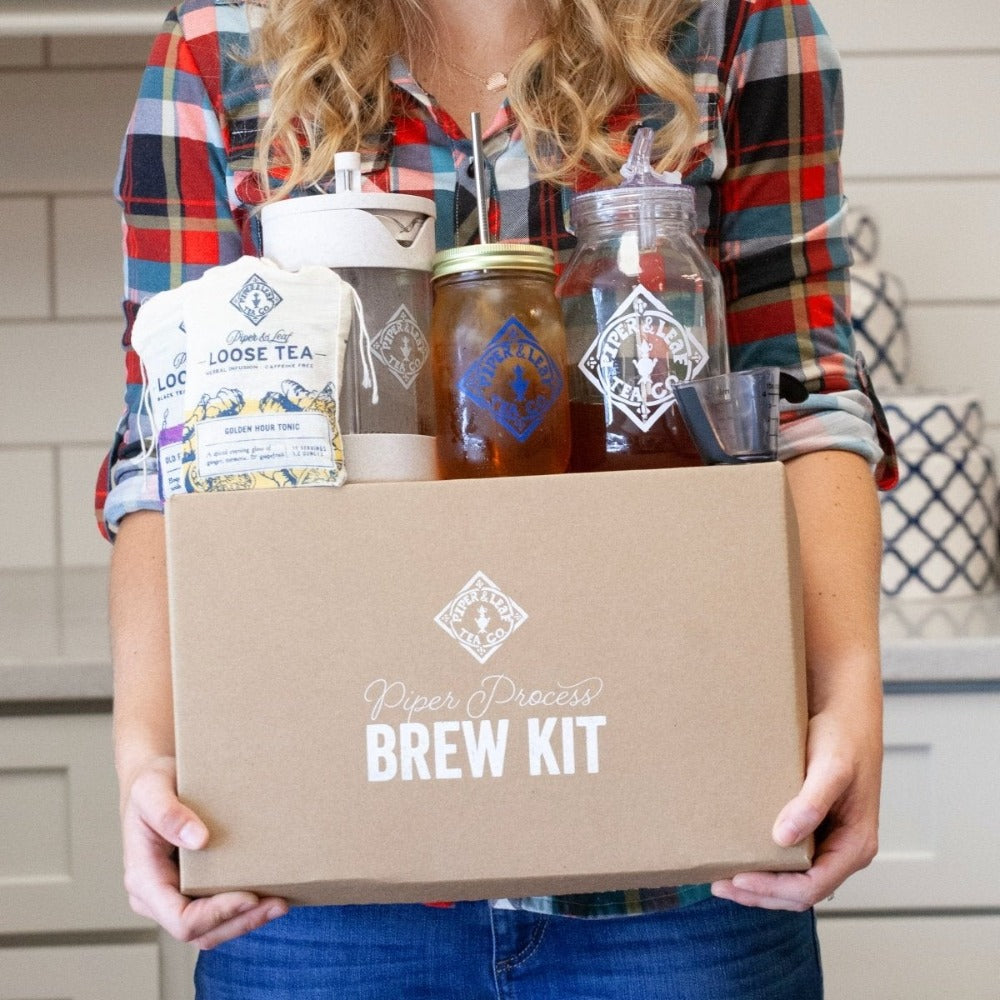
x=712, y=950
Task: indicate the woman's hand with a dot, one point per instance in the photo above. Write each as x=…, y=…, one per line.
x=838, y=802
x=840, y=546
x=154, y=823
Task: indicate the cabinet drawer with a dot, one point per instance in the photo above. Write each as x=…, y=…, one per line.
x=939, y=841
x=911, y=958
x=92, y=972
x=60, y=864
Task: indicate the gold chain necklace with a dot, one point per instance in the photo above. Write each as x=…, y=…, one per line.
x=497, y=80
x=492, y=83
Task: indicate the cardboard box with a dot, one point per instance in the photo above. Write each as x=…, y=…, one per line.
x=470, y=689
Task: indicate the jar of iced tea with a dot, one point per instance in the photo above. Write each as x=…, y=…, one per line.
x=498, y=352
x=644, y=310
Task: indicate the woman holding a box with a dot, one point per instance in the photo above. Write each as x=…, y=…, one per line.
x=247, y=101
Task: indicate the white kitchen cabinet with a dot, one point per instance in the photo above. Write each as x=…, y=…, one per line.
x=922, y=922
x=61, y=867
x=911, y=958
x=939, y=840
x=80, y=972
x=61, y=871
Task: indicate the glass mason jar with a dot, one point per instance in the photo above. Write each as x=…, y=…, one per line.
x=644, y=309
x=498, y=353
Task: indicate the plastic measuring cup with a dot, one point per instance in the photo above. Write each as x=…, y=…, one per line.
x=733, y=418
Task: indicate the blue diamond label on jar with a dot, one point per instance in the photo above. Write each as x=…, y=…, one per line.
x=639, y=355
x=515, y=380
x=402, y=347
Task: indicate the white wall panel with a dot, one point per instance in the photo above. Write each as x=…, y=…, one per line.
x=921, y=115
x=79, y=540
x=27, y=508
x=77, y=119
x=940, y=237
x=25, y=291
x=21, y=52
x=958, y=347
x=918, y=25
x=75, y=396
x=103, y=51
x=80, y=17
x=87, y=257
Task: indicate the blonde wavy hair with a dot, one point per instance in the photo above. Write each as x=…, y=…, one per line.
x=327, y=62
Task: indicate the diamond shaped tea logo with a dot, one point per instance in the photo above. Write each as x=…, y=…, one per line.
x=481, y=617
x=402, y=347
x=255, y=299
x=514, y=380
x=639, y=355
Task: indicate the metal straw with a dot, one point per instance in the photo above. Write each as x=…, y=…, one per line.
x=479, y=172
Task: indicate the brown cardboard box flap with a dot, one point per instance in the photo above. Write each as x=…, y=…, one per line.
x=470, y=689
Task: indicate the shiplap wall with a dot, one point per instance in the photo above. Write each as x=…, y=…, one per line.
x=64, y=105
x=922, y=154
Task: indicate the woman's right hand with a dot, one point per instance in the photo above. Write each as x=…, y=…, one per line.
x=154, y=823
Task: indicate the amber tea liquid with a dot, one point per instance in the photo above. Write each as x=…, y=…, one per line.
x=600, y=446
x=498, y=354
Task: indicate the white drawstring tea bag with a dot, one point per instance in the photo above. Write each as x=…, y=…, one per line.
x=265, y=360
x=159, y=339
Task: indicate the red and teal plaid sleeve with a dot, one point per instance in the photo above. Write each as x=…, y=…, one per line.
x=179, y=216
x=782, y=247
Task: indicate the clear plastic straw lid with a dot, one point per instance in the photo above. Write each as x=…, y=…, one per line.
x=638, y=169
x=644, y=195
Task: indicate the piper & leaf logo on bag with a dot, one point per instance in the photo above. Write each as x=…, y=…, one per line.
x=255, y=299
x=481, y=617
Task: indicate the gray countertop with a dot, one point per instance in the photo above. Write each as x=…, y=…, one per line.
x=947, y=640
x=55, y=644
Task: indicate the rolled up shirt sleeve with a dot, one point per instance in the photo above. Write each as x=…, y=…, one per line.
x=175, y=190
x=783, y=249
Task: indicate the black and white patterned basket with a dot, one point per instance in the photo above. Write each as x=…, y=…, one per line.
x=878, y=301
x=862, y=235
x=924, y=422
x=940, y=523
x=878, y=304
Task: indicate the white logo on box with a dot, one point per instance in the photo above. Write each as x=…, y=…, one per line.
x=481, y=617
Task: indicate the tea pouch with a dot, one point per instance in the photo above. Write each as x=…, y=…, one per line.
x=159, y=339
x=265, y=360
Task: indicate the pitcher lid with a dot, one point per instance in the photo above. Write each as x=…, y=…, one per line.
x=368, y=201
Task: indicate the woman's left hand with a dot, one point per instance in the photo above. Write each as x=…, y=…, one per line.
x=840, y=546
x=838, y=802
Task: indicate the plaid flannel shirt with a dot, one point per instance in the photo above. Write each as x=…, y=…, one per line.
x=766, y=174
